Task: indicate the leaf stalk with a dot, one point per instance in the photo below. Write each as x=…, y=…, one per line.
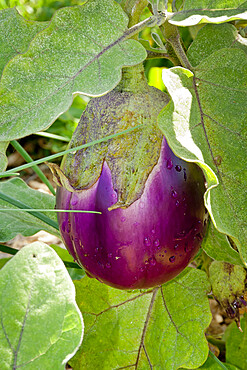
x=172, y=36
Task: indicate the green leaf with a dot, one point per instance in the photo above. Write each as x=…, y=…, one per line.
x=13, y=223
x=207, y=11
x=213, y=363
x=214, y=4
x=41, y=325
x=163, y=328
x=236, y=344
x=205, y=122
x=82, y=51
x=214, y=37
x=3, y=157
x=15, y=34
x=218, y=247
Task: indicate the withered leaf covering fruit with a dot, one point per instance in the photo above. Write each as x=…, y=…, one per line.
x=153, y=217
x=228, y=286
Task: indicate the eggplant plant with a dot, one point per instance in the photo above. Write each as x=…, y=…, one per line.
x=150, y=194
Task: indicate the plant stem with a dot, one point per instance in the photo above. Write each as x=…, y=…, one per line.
x=134, y=9
x=36, y=169
x=171, y=56
x=172, y=36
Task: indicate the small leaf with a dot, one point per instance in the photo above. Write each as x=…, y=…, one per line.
x=214, y=37
x=82, y=51
x=207, y=11
x=20, y=222
x=41, y=325
x=218, y=247
x=205, y=123
x=163, y=328
x=236, y=344
x=15, y=34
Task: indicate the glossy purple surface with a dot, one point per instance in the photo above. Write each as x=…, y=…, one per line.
x=149, y=242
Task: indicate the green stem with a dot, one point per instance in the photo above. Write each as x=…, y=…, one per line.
x=134, y=9
x=133, y=79
x=36, y=169
x=171, y=56
x=19, y=204
x=172, y=36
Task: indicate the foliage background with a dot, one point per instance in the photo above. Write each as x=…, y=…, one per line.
x=106, y=345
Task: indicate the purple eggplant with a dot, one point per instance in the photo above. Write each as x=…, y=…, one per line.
x=147, y=243
x=153, y=218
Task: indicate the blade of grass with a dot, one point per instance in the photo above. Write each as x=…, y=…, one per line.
x=10, y=174
x=217, y=360
x=22, y=206
x=9, y=250
x=36, y=169
x=52, y=136
x=49, y=210
x=13, y=251
x=60, y=154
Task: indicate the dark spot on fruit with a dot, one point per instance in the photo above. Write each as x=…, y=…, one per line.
x=199, y=236
x=34, y=255
x=185, y=175
x=178, y=168
x=172, y=259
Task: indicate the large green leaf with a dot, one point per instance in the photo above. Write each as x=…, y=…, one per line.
x=15, y=222
x=214, y=4
x=218, y=247
x=82, y=50
x=207, y=11
x=41, y=325
x=214, y=37
x=15, y=34
x=162, y=328
x=205, y=122
x=236, y=344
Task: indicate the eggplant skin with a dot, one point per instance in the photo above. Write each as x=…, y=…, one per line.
x=146, y=244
